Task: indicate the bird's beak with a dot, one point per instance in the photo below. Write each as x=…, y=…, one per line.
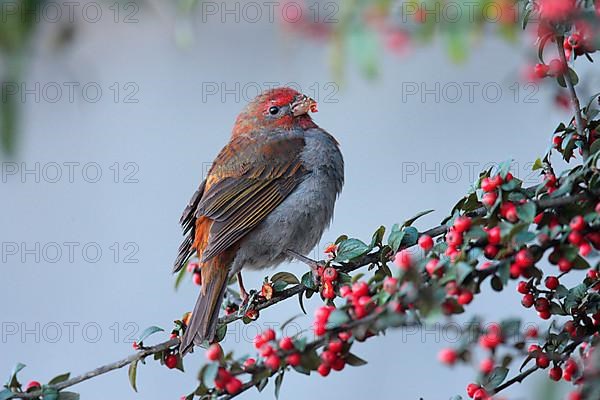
x=302, y=104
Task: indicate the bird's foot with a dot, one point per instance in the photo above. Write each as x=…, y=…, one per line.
x=247, y=302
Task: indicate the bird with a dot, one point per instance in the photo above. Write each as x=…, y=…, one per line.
x=269, y=193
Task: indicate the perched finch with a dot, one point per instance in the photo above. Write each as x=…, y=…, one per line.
x=270, y=190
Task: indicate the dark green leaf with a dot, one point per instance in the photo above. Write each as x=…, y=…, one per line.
x=337, y=318
x=68, y=396
x=496, y=378
x=307, y=280
x=526, y=212
x=354, y=360
x=221, y=332
x=411, y=235
x=59, y=378
x=395, y=238
x=278, y=382
x=378, y=236
x=411, y=220
x=350, y=249
x=179, y=277
x=286, y=277
x=149, y=331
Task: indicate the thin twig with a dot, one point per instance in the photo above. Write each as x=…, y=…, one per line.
x=574, y=99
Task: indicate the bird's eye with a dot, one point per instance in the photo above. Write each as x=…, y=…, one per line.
x=273, y=110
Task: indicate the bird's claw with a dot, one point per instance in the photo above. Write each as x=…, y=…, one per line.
x=247, y=303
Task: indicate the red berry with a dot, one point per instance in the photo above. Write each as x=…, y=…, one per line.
x=233, y=386
x=490, y=251
x=557, y=141
x=322, y=313
x=324, y=369
x=32, y=385
x=360, y=289
x=320, y=329
x=488, y=185
x=268, y=335
x=286, y=343
x=197, y=278
x=556, y=67
x=171, y=361
x=490, y=340
x=486, y=366
x=527, y=300
x=489, y=198
x=585, y=249
x=532, y=332
x=509, y=211
x=259, y=341
x=454, y=238
x=328, y=357
x=577, y=223
x=266, y=350
x=540, y=70
x=564, y=265
x=328, y=291
x=432, y=266
x=330, y=274
x=534, y=348
x=494, y=235
x=542, y=304
x=465, y=297
x=472, y=388
x=390, y=285
x=542, y=361
x=551, y=282
x=293, y=359
x=345, y=291
x=575, y=396
x=523, y=287
x=214, y=352
x=462, y=224
x=571, y=366
x=575, y=40
x=523, y=259
x=480, y=394
x=249, y=363
x=447, y=356
x=425, y=242
x=338, y=364
x=555, y=373
x=575, y=238
x=335, y=346
x=273, y=362
x=403, y=260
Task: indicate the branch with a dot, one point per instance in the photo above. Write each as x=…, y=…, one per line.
x=140, y=355
x=574, y=99
x=362, y=261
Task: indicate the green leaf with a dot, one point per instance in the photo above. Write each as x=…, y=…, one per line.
x=496, y=378
x=595, y=147
x=411, y=220
x=132, y=373
x=411, y=235
x=149, y=331
x=12, y=381
x=526, y=212
x=395, y=238
x=377, y=236
x=354, y=360
x=463, y=270
x=68, y=396
x=59, y=378
x=307, y=280
x=49, y=393
x=179, y=277
x=5, y=394
x=537, y=165
x=575, y=296
x=221, y=332
x=350, y=249
x=278, y=382
x=336, y=319
x=286, y=277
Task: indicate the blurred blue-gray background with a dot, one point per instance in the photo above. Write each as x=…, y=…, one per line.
x=116, y=128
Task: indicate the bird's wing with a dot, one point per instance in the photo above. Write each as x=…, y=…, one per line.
x=188, y=222
x=248, y=180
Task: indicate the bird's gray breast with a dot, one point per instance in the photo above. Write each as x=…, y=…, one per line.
x=300, y=220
